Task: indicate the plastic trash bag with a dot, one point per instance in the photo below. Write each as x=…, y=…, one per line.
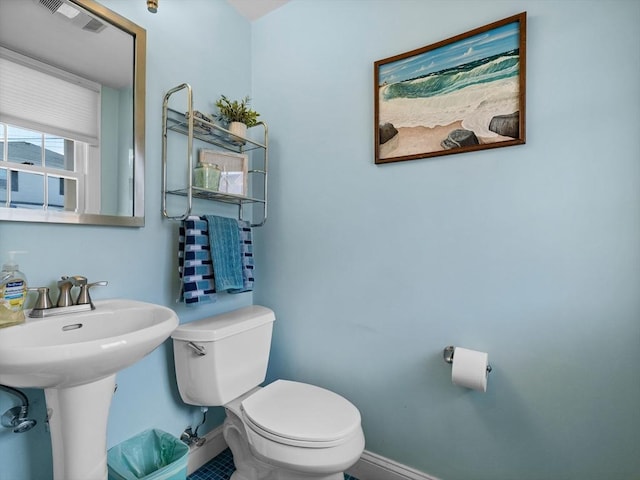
x=150, y=455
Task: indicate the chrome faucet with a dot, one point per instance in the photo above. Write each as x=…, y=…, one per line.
x=64, y=291
x=65, y=303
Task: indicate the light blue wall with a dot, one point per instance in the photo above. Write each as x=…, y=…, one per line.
x=531, y=253
x=188, y=41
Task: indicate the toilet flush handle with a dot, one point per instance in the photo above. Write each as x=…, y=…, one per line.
x=199, y=349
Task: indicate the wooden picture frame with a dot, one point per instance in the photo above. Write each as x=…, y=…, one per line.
x=462, y=94
x=233, y=170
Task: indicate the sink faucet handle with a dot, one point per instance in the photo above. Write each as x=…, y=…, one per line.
x=78, y=280
x=44, y=300
x=84, y=297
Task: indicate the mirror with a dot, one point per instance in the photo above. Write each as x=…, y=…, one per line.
x=72, y=114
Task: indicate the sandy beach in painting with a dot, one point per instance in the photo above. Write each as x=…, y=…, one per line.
x=423, y=123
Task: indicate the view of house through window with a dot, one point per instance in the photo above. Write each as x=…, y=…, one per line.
x=38, y=170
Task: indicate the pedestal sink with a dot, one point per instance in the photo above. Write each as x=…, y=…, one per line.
x=75, y=357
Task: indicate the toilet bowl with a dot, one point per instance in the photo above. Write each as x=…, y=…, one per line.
x=294, y=430
x=283, y=431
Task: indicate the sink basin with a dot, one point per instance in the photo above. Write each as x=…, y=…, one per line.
x=75, y=358
x=77, y=348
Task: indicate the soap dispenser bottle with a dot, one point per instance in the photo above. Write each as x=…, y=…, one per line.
x=13, y=292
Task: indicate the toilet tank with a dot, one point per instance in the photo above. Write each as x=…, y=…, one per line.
x=219, y=358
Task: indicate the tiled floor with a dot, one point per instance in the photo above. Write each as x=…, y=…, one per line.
x=221, y=468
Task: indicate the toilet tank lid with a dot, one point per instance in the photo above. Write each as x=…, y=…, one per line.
x=224, y=325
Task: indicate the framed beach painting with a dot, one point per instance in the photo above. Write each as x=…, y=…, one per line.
x=462, y=94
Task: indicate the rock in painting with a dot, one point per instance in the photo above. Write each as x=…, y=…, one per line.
x=387, y=132
x=460, y=138
x=506, y=125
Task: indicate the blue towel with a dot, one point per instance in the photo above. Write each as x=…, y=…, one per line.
x=194, y=263
x=224, y=238
x=246, y=254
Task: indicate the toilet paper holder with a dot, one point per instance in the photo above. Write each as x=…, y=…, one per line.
x=448, y=356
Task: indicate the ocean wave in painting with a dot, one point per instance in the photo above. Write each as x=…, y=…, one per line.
x=486, y=70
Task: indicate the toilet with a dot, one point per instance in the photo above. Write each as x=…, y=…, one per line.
x=283, y=431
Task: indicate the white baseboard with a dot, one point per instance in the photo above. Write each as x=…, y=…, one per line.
x=376, y=467
x=199, y=455
x=370, y=466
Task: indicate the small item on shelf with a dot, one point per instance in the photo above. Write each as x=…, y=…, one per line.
x=207, y=175
x=200, y=126
x=233, y=166
x=236, y=111
x=237, y=116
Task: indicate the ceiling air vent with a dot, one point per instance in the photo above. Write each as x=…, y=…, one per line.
x=51, y=5
x=73, y=13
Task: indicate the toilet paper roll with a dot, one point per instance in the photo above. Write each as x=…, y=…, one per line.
x=470, y=369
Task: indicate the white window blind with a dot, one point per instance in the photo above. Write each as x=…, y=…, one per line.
x=40, y=97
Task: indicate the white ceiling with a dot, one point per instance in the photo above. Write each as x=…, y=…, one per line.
x=28, y=28
x=254, y=9
x=32, y=30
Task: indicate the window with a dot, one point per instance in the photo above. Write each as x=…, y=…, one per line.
x=38, y=170
x=46, y=150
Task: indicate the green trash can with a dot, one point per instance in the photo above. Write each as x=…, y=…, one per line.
x=150, y=455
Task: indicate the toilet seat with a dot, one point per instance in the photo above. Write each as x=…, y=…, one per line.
x=299, y=414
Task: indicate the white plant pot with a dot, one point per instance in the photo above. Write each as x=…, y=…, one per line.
x=238, y=129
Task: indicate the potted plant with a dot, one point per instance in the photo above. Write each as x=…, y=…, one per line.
x=236, y=114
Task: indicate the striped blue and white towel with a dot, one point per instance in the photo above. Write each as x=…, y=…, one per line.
x=194, y=263
x=246, y=253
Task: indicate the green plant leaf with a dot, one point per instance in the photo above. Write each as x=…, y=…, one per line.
x=236, y=111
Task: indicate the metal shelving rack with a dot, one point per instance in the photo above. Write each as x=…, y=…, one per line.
x=201, y=130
